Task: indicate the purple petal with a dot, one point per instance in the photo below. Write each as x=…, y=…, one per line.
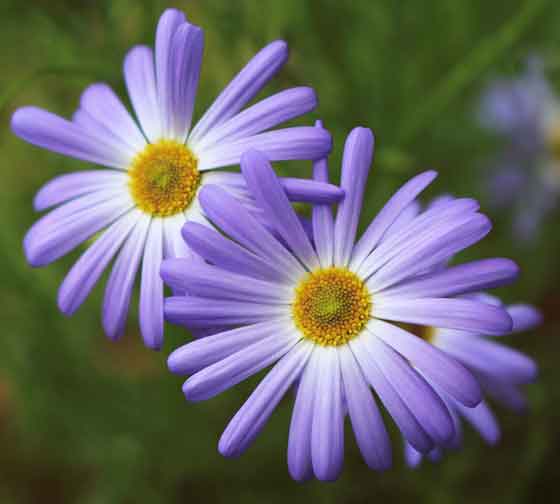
x=440, y=369
x=267, y=191
x=203, y=280
x=243, y=88
x=226, y=254
x=430, y=250
x=87, y=270
x=199, y=354
x=297, y=189
x=397, y=408
x=194, y=312
x=69, y=186
x=388, y=214
x=239, y=366
x=369, y=428
x=483, y=420
x=508, y=395
x=168, y=24
x=412, y=457
x=64, y=228
x=310, y=191
x=403, y=220
x=492, y=359
x=468, y=277
x=105, y=107
x=356, y=162
x=120, y=283
x=301, y=142
x=327, y=432
x=185, y=59
x=139, y=74
x=525, y=317
x=54, y=133
x=245, y=426
x=229, y=214
x=424, y=403
x=262, y=116
x=299, y=441
x=426, y=227
x=150, y=310
x=462, y=314
x=322, y=218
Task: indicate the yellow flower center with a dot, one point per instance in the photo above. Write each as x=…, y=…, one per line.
x=164, y=178
x=553, y=139
x=331, y=306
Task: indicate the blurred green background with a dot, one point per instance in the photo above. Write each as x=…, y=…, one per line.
x=83, y=420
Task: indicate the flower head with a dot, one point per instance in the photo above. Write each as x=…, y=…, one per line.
x=499, y=369
x=157, y=166
x=326, y=310
x=526, y=174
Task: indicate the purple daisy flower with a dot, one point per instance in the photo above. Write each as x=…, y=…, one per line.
x=158, y=164
x=526, y=174
x=324, y=310
x=499, y=369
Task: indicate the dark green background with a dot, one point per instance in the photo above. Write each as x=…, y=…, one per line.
x=83, y=420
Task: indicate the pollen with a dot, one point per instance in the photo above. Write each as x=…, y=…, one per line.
x=164, y=178
x=331, y=306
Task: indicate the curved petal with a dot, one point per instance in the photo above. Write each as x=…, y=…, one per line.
x=87, y=270
x=463, y=278
x=525, y=317
x=297, y=189
x=262, y=116
x=299, y=440
x=120, y=283
x=71, y=185
x=245, y=426
x=327, y=432
x=168, y=24
x=92, y=127
x=56, y=134
x=63, y=229
x=227, y=213
x=490, y=358
x=228, y=255
x=243, y=88
x=483, y=420
x=265, y=188
x=369, y=428
x=201, y=353
x=388, y=214
x=397, y=408
x=462, y=314
x=198, y=312
x=185, y=56
x=105, y=107
x=424, y=228
x=424, y=403
x=140, y=77
x=150, y=311
x=439, y=368
x=430, y=250
x=300, y=142
x=239, y=366
x=203, y=280
x=356, y=163
x=322, y=218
